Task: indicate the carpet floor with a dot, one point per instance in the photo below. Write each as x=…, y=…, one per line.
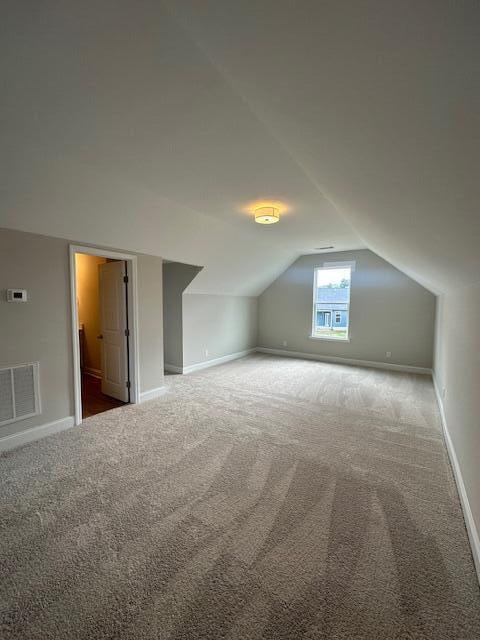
x=266, y=498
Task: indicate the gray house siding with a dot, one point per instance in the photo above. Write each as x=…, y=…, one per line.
x=331, y=308
x=329, y=317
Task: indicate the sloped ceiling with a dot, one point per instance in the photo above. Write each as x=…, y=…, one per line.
x=151, y=126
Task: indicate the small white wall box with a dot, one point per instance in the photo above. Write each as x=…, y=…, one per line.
x=16, y=295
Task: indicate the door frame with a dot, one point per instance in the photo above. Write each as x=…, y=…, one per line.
x=132, y=309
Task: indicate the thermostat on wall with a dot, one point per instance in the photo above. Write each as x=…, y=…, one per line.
x=16, y=295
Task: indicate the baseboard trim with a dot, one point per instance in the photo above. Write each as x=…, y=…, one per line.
x=152, y=394
x=472, y=531
x=172, y=368
x=216, y=361
x=95, y=373
x=347, y=361
x=35, y=433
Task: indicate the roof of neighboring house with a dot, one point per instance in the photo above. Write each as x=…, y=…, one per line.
x=326, y=295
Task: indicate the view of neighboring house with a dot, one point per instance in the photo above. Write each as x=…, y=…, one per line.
x=332, y=301
x=331, y=311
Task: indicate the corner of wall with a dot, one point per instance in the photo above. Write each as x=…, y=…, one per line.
x=470, y=525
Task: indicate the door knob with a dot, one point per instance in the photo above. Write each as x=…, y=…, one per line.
x=100, y=337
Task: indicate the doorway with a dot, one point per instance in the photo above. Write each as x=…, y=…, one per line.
x=104, y=330
x=324, y=319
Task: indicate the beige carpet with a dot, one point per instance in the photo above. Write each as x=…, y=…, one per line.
x=266, y=498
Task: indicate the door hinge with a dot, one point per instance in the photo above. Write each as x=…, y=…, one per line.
x=127, y=384
x=125, y=279
x=127, y=332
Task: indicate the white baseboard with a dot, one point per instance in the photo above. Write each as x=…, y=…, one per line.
x=462, y=492
x=216, y=361
x=95, y=373
x=35, y=433
x=172, y=368
x=152, y=394
x=349, y=361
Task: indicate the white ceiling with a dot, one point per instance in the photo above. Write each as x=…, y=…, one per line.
x=138, y=126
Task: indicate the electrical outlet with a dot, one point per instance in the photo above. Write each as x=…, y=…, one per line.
x=284, y=343
x=388, y=354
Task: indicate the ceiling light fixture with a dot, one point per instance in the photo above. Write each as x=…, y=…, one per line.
x=267, y=215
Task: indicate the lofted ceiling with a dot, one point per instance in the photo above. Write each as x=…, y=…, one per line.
x=152, y=126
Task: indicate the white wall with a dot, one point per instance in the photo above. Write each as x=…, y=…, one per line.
x=150, y=321
x=219, y=325
x=176, y=277
x=388, y=312
x=457, y=375
x=40, y=330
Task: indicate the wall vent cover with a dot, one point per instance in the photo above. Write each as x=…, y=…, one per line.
x=19, y=392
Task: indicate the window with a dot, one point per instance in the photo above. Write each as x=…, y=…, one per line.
x=331, y=302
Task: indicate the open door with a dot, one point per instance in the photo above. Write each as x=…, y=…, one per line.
x=114, y=330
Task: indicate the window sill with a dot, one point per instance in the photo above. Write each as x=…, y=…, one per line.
x=328, y=339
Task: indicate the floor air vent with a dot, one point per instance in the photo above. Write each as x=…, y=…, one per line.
x=19, y=393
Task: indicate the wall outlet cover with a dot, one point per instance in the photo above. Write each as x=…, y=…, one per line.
x=17, y=295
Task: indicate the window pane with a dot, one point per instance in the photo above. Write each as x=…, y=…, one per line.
x=332, y=302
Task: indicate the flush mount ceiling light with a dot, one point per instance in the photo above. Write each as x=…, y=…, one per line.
x=267, y=215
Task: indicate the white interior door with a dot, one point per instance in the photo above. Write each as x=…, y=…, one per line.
x=113, y=320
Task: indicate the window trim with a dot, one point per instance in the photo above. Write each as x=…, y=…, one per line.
x=330, y=266
x=342, y=340
x=347, y=264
